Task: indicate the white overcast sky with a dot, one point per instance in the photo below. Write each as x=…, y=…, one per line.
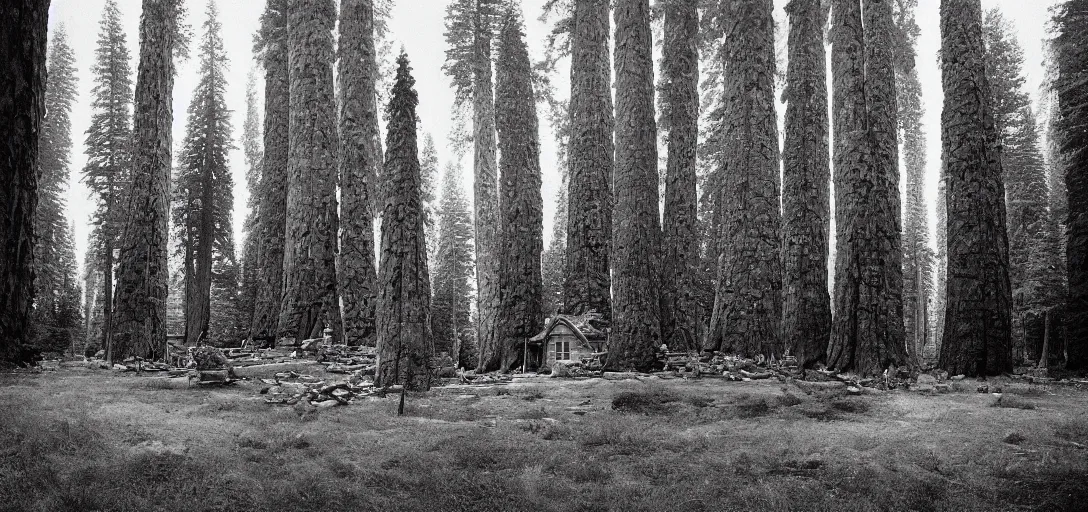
x=417, y=25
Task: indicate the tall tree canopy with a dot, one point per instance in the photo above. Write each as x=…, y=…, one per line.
x=404, y=302
x=451, y=308
x=204, y=186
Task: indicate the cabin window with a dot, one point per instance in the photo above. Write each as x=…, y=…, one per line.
x=562, y=350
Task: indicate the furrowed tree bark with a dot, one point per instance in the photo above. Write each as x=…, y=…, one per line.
x=404, y=302
x=977, y=328
x=587, y=285
x=358, y=169
x=748, y=300
x=310, y=300
x=486, y=203
x=23, y=34
x=867, y=331
x=521, y=232
x=679, y=311
x=636, y=229
x=273, y=220
x=806, y=188
x=143, y=272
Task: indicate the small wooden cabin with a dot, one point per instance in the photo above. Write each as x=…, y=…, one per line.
x=566, y=338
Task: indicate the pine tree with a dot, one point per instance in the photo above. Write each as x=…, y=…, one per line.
x=918, y=258
x=1071, y=37
x=1024, y=176
x=589, y=183
x=806, y=188
x=93, y=304
x=747, y=304
x=468, y=63
x=521, y=231
x=109, y=154
x=680, y=123
x=451, y=309
x=636, y=230
x=405, y=345
x=977, y=325
x=310, y=299
x=428, y=163
x=253, y=150
x=202, y=213
x=271, y=46
x=360, y=160
x=50, y=225
x=142, y=272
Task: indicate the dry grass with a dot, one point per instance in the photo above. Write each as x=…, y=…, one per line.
x=103, y=442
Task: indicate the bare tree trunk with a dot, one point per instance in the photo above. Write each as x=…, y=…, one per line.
x=358, y=169
x=273, y=220
x=977, y=328
x=143, y=273
x=587, y=285
x=679, y=310
x=748, y=299
x=806, y=188
x=486, y=204
x=636, y=229
x=23, y=34
x=521, y=233
x=310, y=300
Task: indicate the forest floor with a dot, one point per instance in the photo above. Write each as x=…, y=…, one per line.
x=80, y=439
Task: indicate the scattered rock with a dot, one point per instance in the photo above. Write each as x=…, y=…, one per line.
x=1014, y=438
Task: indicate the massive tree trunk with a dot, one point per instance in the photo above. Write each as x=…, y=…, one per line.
x=310, y=301
x=273, y=189
x=587, y=285
x=359, y=162
x=636, y=229
x=978, y=313
x=486, y=202
x=404, y=301
x=679, y=310
x=521, y=232
x=23, y=26
x=806, y=188
x=143, y=272
x=867, y=331
x=748, y=299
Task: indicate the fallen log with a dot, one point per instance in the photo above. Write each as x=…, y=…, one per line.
x=270, y=370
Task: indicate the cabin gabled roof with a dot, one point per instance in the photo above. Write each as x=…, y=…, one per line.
x=578, y=324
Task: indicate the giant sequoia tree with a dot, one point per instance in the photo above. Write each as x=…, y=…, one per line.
x=977, y=319
x=680, y=105
x=1071, y=22
x=271, y=47
x=636, y=230
x=142, y=272
x=204, y=187
x=310, y=299
x=806, y=188
x=748, y=299
x=468, y=63
x=404, y=302
x=587, y=286
x=54, y=266
x=359, y=163
x=867, y=331
x=521, y=231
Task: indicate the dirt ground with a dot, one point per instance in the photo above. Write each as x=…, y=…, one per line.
x=80, y=439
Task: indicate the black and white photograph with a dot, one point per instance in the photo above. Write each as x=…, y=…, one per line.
x=544, y=255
